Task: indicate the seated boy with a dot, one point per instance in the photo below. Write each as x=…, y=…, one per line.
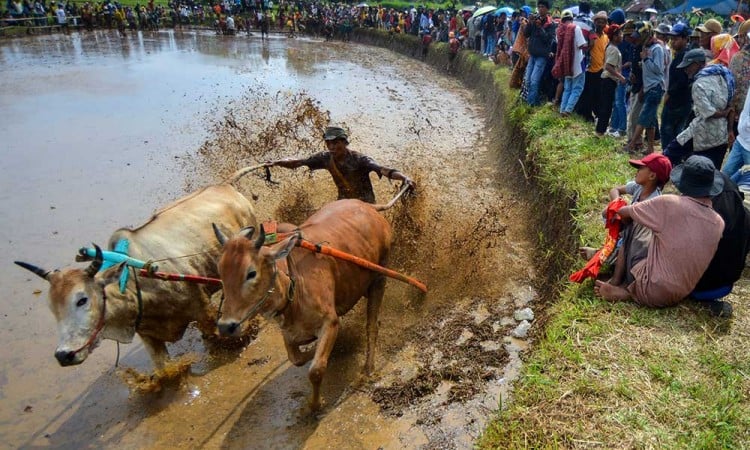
x=650, y=178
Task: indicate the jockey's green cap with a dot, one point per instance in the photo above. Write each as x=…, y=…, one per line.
x=333, y=133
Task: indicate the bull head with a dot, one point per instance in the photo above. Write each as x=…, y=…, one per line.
x=75, y=301
x=249, y=274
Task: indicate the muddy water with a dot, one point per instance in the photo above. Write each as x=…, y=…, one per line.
x=100, y=131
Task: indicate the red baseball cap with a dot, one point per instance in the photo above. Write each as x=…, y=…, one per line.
x=658, y=163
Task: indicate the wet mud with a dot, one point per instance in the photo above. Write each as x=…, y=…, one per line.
x=443, y=360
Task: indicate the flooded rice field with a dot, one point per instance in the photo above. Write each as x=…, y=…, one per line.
x=99, y=132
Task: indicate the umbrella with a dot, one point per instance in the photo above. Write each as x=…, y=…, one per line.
x=505, y=9
x=483, y=10
x=363, y=5
x=650, y=10
x=470, y=8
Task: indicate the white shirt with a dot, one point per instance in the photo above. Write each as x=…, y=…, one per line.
x=580, y=42
x=61, y=19
x=743, y=129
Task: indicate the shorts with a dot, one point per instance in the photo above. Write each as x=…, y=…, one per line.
x=651, y=100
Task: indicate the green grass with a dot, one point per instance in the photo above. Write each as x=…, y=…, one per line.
x=617, y=375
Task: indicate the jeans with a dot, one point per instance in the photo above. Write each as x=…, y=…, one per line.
x=738, y=157
x=490, y=47
x=651, y=100
x=673, y=121
x=534, y=72
x=619, y=120
x=572, y=88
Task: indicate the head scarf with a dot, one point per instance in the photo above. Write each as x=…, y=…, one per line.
x=723, y=47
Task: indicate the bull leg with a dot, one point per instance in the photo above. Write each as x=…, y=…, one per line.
x=320, y=362
x=374, y=299
x=295, y=356
x=157, y=350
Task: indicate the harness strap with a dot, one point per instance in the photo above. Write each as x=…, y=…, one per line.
x=139, y=296
x=99, y=326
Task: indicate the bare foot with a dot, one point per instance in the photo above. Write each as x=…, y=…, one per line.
x=587, y=252
x=610, y=293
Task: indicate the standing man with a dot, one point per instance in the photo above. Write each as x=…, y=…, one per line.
x=677, y=104
x=570, y=60
x=349, y=169
x=652, y=64
x=598, y=41
x=62, y=19
x=713, y=88
x=711, y=28
x=540, y=35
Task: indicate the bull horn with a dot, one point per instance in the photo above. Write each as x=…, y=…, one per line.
x=261, y=238
x=96, y=264
x=37, y=270
x=219, y=235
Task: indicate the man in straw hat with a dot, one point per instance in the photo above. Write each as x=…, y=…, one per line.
x=350, y=170
x=685, y=235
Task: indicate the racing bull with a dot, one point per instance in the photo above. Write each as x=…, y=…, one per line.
x=90, y=305
x=306, y=292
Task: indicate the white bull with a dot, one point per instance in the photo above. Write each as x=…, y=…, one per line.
x=89, y=306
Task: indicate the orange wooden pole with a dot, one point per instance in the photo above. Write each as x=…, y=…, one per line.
x=360, y=262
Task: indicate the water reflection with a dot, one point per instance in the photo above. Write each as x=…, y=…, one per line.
x=301, y=56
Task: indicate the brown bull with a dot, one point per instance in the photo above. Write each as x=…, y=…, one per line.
x=89, y=306
x=306, y=292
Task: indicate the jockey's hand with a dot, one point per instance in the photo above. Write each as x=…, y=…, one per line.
x=269, y=163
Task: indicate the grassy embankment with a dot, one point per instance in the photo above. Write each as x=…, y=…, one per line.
x=599, y=374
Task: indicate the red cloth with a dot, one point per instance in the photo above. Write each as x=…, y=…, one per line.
x=612, y=224
x=566, y=36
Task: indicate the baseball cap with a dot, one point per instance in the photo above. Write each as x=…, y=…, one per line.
x=658, y=163
x=692, y=56
x=711, y=26
x=567, y=14
x=680, y=29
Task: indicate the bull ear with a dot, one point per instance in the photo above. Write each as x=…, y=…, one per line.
x=261, y=238
x=96, y=264
x=112, y=275
x=284, y=247
x=37, y=270
x=219, y=235
x=247, y=232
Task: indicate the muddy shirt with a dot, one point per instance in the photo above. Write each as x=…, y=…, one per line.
x=352, y=176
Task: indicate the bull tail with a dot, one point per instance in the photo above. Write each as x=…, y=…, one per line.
x=242, y=172
x=405, y=187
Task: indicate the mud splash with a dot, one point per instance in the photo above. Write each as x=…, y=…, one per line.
x=441, y=357
x=465, y=252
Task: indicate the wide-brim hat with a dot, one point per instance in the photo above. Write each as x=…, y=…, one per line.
x=697, y=177
x=711, y=26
